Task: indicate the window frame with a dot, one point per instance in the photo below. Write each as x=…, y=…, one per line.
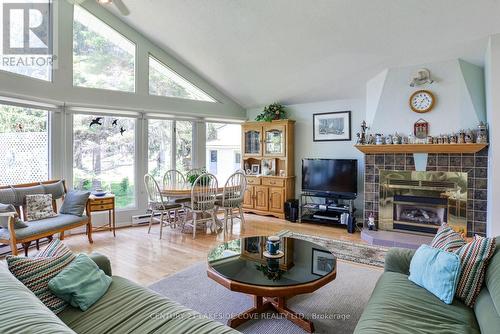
x=50, y=139
x=211, y=99
x=173, y=151
x=136, y=55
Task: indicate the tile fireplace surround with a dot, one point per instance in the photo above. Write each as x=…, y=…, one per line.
x=475, y=165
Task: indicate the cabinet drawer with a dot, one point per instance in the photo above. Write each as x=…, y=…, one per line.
x=101, y=201
x=253, y=180
x=273, y=182
x=101, y=207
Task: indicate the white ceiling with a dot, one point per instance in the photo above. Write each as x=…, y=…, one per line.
x=295, y=51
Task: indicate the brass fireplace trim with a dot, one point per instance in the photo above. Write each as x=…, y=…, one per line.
x=451, y=185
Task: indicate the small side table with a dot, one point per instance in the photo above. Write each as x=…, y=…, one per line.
x=103, y=203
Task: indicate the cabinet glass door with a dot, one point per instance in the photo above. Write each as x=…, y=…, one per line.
x=274, y=143
x=252, y=142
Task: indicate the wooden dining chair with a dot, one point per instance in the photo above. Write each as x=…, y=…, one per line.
x=202, y=206
x=157, y=204
x=173, y=179
x=231, y=201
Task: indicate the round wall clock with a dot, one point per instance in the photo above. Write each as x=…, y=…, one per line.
x=422, y=101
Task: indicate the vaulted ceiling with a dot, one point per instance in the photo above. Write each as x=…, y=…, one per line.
x=294, y=51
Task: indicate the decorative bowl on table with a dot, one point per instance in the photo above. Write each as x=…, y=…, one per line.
x=99, y=193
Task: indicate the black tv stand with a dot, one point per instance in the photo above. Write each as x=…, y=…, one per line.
x=327, y=209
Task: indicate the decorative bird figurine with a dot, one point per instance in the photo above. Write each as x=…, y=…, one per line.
x=115, y=122
x=96, y=121
x=122, y=130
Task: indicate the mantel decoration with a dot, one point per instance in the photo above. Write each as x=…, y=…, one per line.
x=332, y=126
x=272, y=112
x=420, y=135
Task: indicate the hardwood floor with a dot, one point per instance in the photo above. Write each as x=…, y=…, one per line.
x=144, y=258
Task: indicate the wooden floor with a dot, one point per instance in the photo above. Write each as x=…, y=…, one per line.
x=144, y=258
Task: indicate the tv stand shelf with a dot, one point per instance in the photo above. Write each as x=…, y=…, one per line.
x=325, y=209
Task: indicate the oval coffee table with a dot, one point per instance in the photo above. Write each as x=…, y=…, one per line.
x=240, y=265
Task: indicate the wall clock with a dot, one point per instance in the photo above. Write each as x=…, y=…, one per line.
x=422, y=101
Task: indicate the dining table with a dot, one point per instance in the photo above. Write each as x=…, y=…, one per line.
x=181, y=193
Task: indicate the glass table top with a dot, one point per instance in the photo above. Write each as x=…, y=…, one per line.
x=244, y=260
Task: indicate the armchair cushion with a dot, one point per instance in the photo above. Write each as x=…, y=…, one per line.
x=21, y=193
x=7, y=196
x=6, y=211
x=74, y=203
x=39, y=226
x=55, y=189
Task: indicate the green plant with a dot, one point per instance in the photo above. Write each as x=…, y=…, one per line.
x=192, y=178
x=272, y=112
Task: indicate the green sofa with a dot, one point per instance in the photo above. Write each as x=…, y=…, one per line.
x=125, y=308
x=397, y=305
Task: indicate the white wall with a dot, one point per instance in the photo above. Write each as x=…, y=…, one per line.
x=492, y=80
x=459, y=91
x=306, y=148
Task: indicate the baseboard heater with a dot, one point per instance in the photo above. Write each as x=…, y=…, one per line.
x=143, y=219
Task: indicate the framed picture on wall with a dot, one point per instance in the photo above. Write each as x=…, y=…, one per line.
x=332, y=126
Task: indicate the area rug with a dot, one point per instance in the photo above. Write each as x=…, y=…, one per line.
x=334, y=308
x=345, y=250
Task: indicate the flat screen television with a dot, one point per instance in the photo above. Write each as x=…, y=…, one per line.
x=336, y=177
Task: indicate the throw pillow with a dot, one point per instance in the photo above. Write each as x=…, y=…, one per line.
x=474, y=258
x=35, y=273
x=55, y=248
x=81, y=283
x=6, y=211
x=437, y=271
x=446, y=238
x=39, y=206
x=74, y=203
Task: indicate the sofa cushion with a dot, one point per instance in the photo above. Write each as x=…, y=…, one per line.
x=81, y=283
x=474, y=258
x=55, y=189
x=23, y=191
x=22, y=312
x=493, y=276
x=35, y=273
x=486, y=313
x=6, y=211
x=39, y=207
x=7, y=196
x=40, y=226
x=398, y=306
x=75, y=203
x=437, y=271
x=128, y=307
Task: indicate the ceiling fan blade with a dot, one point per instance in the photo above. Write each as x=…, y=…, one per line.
x=121, y=7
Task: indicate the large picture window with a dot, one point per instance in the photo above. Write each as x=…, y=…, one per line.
x=24, y=145
x=223, y=149
x=165, y=82
x=104, y=156
x=102, y=57
x=162, y=154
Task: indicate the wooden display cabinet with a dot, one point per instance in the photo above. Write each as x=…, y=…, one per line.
x=269, y=142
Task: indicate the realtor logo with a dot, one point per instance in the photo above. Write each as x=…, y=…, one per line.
x=26, y=28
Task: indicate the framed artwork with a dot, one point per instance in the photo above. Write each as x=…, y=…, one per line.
x=323, y=262
x=269, y=167
x=332, y=126
x=255, y=169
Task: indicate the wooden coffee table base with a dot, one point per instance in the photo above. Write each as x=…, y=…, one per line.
x=264, y=304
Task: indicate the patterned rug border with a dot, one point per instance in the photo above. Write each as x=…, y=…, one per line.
x=342, y=256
